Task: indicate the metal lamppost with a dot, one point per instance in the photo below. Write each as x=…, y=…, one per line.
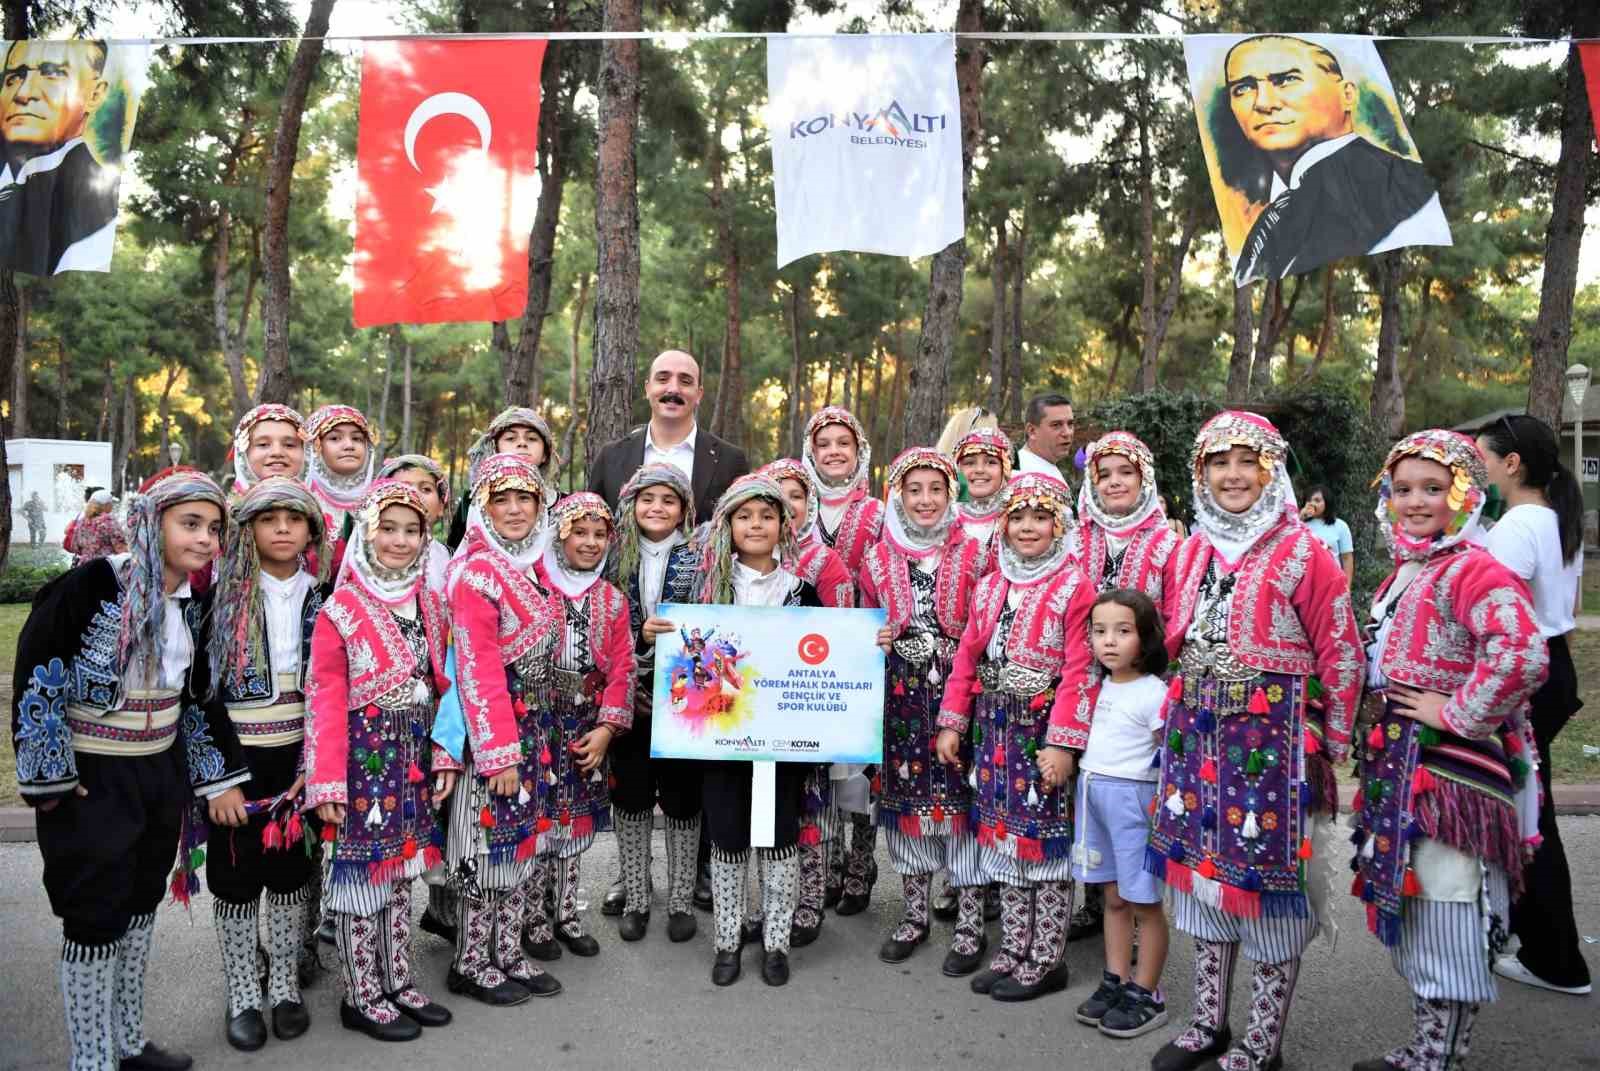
x=1577, y=387
x=175, y=450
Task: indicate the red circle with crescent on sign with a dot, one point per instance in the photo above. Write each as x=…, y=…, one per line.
x=813, y=648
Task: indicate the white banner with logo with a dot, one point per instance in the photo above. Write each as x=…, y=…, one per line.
x=769, y=684
x=866, y=143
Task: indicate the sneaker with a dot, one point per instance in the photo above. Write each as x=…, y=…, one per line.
x=1138, y=1012
x=1512, y=968
x=1102, y=1000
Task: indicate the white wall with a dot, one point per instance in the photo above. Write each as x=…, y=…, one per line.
x=47, y=466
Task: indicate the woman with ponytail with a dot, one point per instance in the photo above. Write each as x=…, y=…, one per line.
x=1540, y=538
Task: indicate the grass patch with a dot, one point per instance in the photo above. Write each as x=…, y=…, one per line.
x=1566, y=754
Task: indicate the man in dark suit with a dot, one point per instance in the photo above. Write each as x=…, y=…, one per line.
x=672, y=436
x=1330, y=192
x=58, y=205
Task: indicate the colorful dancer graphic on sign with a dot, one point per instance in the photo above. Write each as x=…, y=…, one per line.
x=713, y=684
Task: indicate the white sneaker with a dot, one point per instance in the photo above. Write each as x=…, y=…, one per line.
x=1511, y=967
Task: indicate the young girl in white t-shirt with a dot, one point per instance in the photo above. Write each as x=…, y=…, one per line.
x=1116, y=787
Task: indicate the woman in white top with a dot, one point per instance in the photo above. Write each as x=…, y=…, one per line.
x=1325, y=523
x=1540, y=538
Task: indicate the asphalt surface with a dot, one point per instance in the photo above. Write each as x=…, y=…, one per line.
x=652, y=1003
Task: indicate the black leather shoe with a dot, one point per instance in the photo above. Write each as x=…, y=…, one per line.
x=580, y=945
x=702, y=891
x=985, y=980
x=1011, y=990
x=945, y=906
x=154, y=1058
x=543, y=951
x=1171, y=1058
x=616, y=901
x=1378, y=1064
x=402, y=1029
x=831, y=895
x=775, y=968
x=633, y=925
x=507, y=993
x=853, y=903
x=957, y=965
x=543, y=984
x=247, y=1031
x=438, y=927
x=800, y=936
x=725, y=971
x=894, y=951
x=289, y=1019
x=430, y=1014
x=681, y=926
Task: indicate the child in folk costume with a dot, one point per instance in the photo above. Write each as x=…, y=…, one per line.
x=506, y=626
x=820, y=566
x=377, y=668
x=339, y=464
x=750, y=537
x=269, y=440
x=427, y=477
x=265, y=605
x=1246, y=776
x=923, y=574
x=1023, y=687
x=591, y=704
x=1123, y=543
x=984, y=457
x=1447, y=806
x=654, y=512
x=111, y=673
x=838, y=457
x=515, y=430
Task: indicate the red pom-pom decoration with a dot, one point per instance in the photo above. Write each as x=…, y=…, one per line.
x=1000, y=830
x=1313, y=745
x=329, y=833
x=1411, y=886
x=1305, y=848
x=409, y=848
x=1375, y=738
x=938, y=813
x=1258, y=702
x=414, y=775
x=543, y=824
x=486, y=818
x=1208, y=772
x=1423, y=781
x=1206, y=869
x=1175, y=689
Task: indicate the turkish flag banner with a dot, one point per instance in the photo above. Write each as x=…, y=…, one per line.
x=1589, y=54
x=447, y=182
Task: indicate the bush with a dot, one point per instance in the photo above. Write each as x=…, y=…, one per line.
x=25, y=574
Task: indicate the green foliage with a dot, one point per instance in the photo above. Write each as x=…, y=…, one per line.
x=24, y=575
x=1167, y=422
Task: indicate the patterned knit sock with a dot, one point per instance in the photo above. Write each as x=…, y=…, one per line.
x=285, y=923
x=88, y=985
x=633, y=849
x=357, y=940
x=683, y=843
x=131, y=964
x=236, y=935
x=1271, y=993
x=914, y=923
x=779, y=873
x=727, y=897
x=968, y=936
x=1016, y=928
x=1213, y=984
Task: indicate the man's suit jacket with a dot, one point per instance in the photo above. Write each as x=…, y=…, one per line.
x=717, y=463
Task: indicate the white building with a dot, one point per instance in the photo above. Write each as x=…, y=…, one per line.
x=59, y=470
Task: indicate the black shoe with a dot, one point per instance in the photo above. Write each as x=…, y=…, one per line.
x=831, y=895
x=402, y=1029
x=544, y=951
x=1137, y=1013
x=1102, y=1000
x=991, y=903
x=430, y=1014
x=725, y=971
x=247, y=1031
x=986, y=979
x=1274, y=1064
x=702, y=891
x=957, y=965
x=1085, y=923
x=543, y=984
x=289, y=1019
x=945, y=906
x=154, y=1058
x=437, y=926
x=896, y=951
x=616, y=900
x=503, y=995
x=1171, y=1058
x=853, y=903
x=1376, y=1064
x=310, y=970
x=579, y=944
x=325, y=932
x=800, y=936
x=775, y=968
x=633, y=925
x=1011, y=990
x=681, y=926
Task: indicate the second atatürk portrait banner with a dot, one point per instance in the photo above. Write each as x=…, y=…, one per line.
x=1308, y=154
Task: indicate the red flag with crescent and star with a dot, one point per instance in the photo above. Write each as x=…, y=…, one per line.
x=1589, y=55
x=447, y=180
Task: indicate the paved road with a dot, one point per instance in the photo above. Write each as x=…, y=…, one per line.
x=652, y=1004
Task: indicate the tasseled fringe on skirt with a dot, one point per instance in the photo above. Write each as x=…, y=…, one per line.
x=1229, y=899
x=921, y=825
x=515, y=850
x=1026, y=848
x=1384, y=926
x=383, y=871
x=1472, y=822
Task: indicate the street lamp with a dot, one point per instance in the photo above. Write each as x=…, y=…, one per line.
x=175, y=450
x=1577, y=387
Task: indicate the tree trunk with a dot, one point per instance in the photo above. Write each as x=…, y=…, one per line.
x=572, y=379
x=998, y=261
x=1266, y=338
x=164, y=414
x=1156, y=333
x=405, y=404
x=16, y=328
x=1019, y=276
x=827, y=392
x=1239, y=360
x=792, y=423
x=1552, y=331
x=728, y=418
x=873, y=432
x=1147, y=251
x=1325, y=335
x=230, y=342
x=616, y=218
x=1388, y=410
x=126, y=441
x=395, y=349
x=274, y=386
x=929, y=386
x=103, y=428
